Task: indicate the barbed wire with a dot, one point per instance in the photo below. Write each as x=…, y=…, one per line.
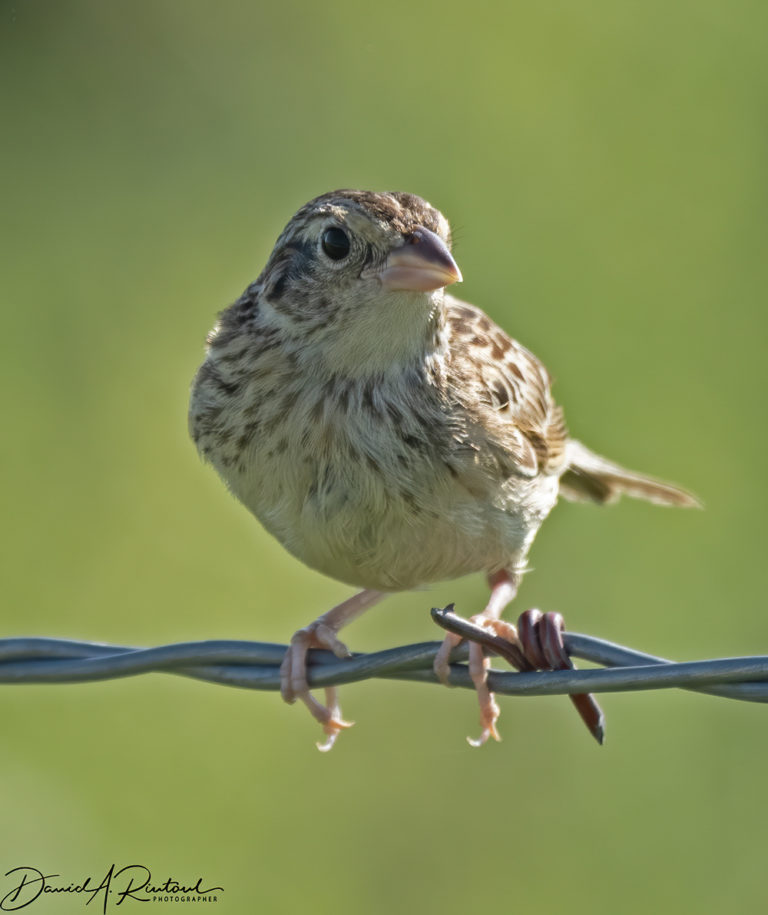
x=256, y=665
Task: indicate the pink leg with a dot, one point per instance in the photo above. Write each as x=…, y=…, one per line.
x=504, y=586
x=322, y=633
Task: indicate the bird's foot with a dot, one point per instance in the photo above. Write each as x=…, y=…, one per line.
x=479, y=664
x=536, y=643
x=293, y=678
x=323, y=633
x=489, y=624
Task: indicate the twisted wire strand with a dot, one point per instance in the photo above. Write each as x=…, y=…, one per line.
x=256, y=665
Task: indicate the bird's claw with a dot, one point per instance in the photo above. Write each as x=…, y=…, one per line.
x=330, y=718
x=489, y=715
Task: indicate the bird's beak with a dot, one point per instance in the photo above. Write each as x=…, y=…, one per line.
x=422, y=264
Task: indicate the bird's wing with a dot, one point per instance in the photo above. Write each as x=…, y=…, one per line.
x=505, y=390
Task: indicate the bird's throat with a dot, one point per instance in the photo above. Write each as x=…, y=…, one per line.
x=385, y=338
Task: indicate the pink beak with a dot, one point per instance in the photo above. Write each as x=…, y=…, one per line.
x=422, y=264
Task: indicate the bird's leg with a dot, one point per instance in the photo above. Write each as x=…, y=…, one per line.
x=504, y=586
x=322, y=633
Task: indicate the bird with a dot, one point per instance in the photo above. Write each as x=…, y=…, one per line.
x=388, y=434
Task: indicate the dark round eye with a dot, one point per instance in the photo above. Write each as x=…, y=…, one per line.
x=335, y=243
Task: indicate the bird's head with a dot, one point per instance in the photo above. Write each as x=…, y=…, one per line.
x=360, y=277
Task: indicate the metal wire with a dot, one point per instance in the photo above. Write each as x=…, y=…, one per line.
x=256, y=665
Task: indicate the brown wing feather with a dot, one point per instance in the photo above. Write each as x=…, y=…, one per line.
x=512, y=389
x=519, y=423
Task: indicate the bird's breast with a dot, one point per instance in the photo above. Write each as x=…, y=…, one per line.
x=369, y=489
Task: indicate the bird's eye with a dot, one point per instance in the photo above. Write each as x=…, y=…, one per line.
x=335, y=243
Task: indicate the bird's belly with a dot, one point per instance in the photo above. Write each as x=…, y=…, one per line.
x=397, y=550
x=375, y=529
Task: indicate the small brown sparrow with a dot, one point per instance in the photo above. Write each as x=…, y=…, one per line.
x=388, y=434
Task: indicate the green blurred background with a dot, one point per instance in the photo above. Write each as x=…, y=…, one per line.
x=604, y=167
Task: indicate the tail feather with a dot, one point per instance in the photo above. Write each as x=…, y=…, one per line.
x=592, y=478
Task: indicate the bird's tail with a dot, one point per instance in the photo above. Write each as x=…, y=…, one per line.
x=592, y=478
